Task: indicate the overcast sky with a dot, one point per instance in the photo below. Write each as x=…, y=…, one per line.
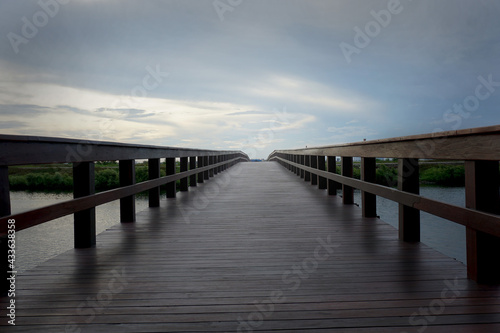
x=253, y=75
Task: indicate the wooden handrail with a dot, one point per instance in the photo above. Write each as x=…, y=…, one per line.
x=478, y=147
x=21, y=150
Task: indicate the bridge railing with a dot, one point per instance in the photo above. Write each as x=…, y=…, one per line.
x=196, y=165
x=479, y=148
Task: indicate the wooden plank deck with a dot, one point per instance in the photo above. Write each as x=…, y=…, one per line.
x=253, y=249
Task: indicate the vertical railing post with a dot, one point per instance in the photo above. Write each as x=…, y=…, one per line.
x=347, y=191
x=183, y=168
x=211, y=162
x=206, y=162
x=301, y=158
x=170, y=170
x=307, y=162
x=314, y=164
x=192, y=166
x=84, y=221
x=5, y=210
x=201, y=176
x=409, y=217
x=481, y=193
x=322, y=185
x=368, y=174
x=154, y=173
x=215, y=160
x=332, y=167
x=127, y=177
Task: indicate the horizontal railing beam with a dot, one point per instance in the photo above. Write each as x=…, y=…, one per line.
x=485, y=222
x=37, y=216
x=471, y=144
x=22, y=150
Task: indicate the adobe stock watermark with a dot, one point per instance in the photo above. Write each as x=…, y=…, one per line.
x=151, y=80
x=436, y=307
x=223, y=6
x=96, y=305
x=31, y=26
x=363, y=37
x=293, y=279
x=471, y=103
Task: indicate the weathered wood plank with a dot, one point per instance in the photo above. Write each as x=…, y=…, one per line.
x=216, y=257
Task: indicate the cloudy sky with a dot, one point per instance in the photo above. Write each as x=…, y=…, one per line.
x=253, y=75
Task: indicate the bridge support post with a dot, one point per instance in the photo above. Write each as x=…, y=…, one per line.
x=307, y=162
x=322, y=185
x=84, y=221
x=481, y=193
x=201, y=176
x=368, y=174
x=314, y=164
x=170, y=170
x=332, y=167
x=154, y=172
x=211, y=162
x=409, y=217
x=192, y=166
x=127, y=177
x=4, y=211
x=347, y=191
x=206, y=162
x=301, y=157
x=184, y=181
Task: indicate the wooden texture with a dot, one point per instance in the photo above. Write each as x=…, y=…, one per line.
x=470, y=144
x=84, y=220
x=154, y=173
x=19, y=150
x=347, y=191
x=332, y=167
x=485, y=222
x=40, y=215
x=127, y=177
x=409, y=217
x=276, y=256
x=170, y=170
x=368, y=174
x=482, y=182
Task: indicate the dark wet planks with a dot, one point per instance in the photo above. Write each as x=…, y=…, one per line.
x=243, y=251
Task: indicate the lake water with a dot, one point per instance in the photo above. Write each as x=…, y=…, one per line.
x=40, y=243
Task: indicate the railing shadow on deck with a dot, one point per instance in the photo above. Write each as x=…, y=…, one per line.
x=479, y=148
x=196, y=166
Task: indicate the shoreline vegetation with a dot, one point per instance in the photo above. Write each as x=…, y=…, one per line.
x=59, y=177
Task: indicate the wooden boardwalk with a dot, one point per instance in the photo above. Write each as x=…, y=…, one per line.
x=253, y=249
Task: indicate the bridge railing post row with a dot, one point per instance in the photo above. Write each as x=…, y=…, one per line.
x=314, y=164
x=409, y=217
x=170, y=170
x=5, y=210
x=332, y=167
x=296, y=160
x=183, y=168
x=192, y=166
x=307, y=163
x=127, y=177
x=211, y=162
x=84, y=221
x=154, y=173
x=347, y=191
x=482, y=181
x=368, y=174
x=322, y=184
